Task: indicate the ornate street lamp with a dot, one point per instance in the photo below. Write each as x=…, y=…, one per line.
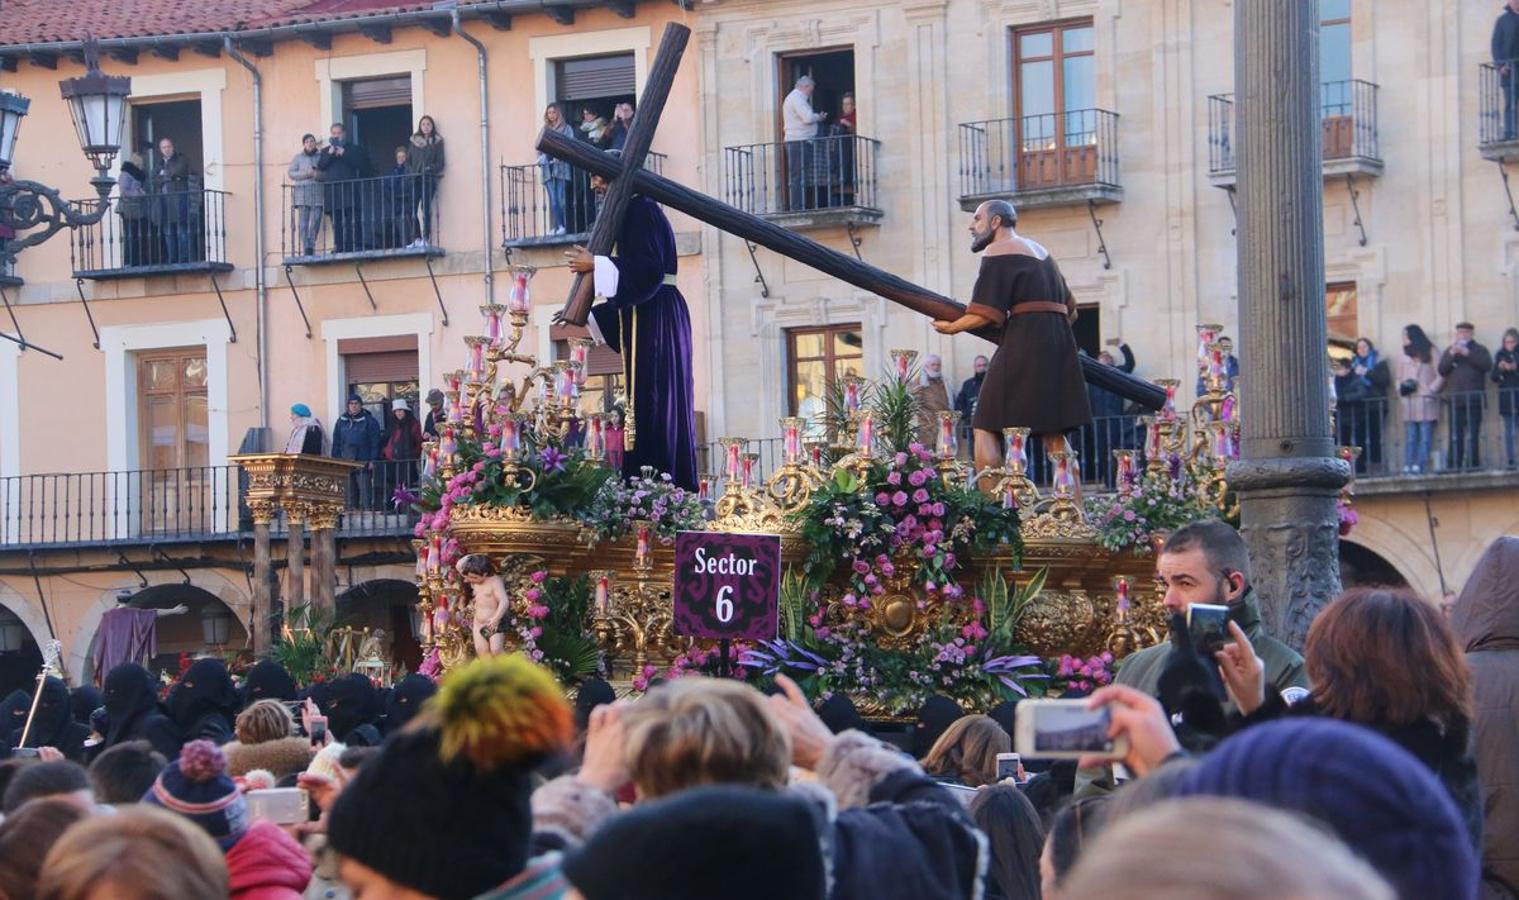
x=97, y=103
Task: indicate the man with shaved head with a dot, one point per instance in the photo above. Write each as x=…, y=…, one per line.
x=1034, y=379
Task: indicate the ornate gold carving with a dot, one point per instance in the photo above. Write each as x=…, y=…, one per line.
x=295, y=513
x=263, y=511
x=321, y=516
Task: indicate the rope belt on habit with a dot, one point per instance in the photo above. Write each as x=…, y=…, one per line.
x=1039, y=306
x=669, y=279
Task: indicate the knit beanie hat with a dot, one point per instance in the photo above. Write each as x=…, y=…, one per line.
x=443, y=808
x=197, y=786
x=737, y=843
x=1378, y=798
x=300, y=409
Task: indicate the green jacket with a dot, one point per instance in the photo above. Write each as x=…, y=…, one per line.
x=1284, y=667
x=1141, y=670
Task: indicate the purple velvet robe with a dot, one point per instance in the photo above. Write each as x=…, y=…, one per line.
x=127, y=635
x=648, y=323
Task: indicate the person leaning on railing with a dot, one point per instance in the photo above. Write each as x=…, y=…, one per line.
x=424, y=159
x=1419, y=387
x=1506, y=375
x=1464, y=366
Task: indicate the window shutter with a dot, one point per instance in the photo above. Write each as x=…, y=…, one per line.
x=372, y=93
x=367, y=368
x=600, y=361
x=596, y=77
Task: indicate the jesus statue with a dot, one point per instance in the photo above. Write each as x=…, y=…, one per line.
x=644, y=318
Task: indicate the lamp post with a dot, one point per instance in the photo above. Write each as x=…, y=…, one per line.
x=97, y=104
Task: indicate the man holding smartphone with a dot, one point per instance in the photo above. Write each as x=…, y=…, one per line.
x=1204, y=562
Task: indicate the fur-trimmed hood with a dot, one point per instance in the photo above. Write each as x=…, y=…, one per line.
x=282, y=757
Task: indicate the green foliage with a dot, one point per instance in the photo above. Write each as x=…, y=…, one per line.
x=301, y=649
x=794, y=604
x=1004, y=608
x=568, y=648
x=896, y=409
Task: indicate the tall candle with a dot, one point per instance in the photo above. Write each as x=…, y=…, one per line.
x=595, y=438
x=1125, y=471
x=476, y=360
x=815, y=448
x=903, y=364
x=603, y=596
x=748, y=476
x=1017, y=453
x=435, y=555
x=704, y=490
x=492, y=315
x=1168, y=411
x=1222, y=438
x=421, y=560
x=580, y=355
x=1152, y=438
x=1123, y=597
x=1062, y=472
x=947, y=445
x=510, y=439
x=1226, y=410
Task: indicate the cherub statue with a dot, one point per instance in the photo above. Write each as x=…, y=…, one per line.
x=488, y=593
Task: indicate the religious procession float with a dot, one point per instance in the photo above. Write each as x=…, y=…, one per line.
x=900, y=576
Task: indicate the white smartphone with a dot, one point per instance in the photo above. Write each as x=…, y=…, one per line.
x=1065, y=729
x=282, y=806
x=1007, y=766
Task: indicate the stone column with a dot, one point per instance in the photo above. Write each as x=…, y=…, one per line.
x=295, y=558
x=324, y=522
x=263, y=595
x=1289, y=475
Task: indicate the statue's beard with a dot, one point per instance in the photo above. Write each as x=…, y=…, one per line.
x=980, y=240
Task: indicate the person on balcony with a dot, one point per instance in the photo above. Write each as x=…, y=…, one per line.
x=424, y=160
x=800, y=128
x=844, y=131
x=555, y=172
x=398, y=206
x=1368, y=366
x=435, y=415
x=132, y=206
x=343, y=167
x=403, y=444
x=1505, y=47
x=1506, y=376
x=306, y=432
x=1419, y=386
x=306, y=194
x=1464, y=366
x=170, y=185
x=616, y=136
x=356, y=436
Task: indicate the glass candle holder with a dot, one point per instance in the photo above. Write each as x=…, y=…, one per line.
x=1124, y=471
x=747, y=476
x=948, y=445
x=1062, y=481
x=865, y=441
x=422, y=551
x=603, y=596
x=595, y=437
x=1168, y=411
x=1016, y=449
x=853, y=386
x=519, y=299
x=901, y=363
x=733, y=449
x=580, y=357
x=643, y=542
x=1121, y=587
x=791, y=439
x=495, y=333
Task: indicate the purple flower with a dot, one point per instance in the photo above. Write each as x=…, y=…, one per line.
x=551, y=459
x=883, y=499
x=917, y=478
x=894, y=478
x=900, y=459
x=938, y=509
x=899, y=498
x=920, y=496
x=1128, y=515
x=861, y=566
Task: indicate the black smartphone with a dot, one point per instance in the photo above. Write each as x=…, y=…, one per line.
x=1209, y=627
x=318, y=726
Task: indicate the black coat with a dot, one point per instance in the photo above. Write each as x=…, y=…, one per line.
x=205, y=702
x=357, y=437
x=134, y=713
x=1448, y=754
x=352, y=164
x=1505, y=45
x=1508, y=382
x=1105, y=403
x=54, y=725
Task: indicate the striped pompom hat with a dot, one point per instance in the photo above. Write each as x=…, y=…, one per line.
x=197, y=786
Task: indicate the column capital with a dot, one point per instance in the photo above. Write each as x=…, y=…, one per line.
x=295, y=513
x=263, y=511
x=323, y=516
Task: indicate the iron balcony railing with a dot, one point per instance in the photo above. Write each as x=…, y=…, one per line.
x=1470, y=432
x=1347, y=120
x=1499, y=91
x=1052, y=150
x=192, y=503
x=837, y=172
x=172, y=231
x=551, y=203
x=393, y=215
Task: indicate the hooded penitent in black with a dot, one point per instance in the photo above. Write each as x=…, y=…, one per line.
x=267, y=680
x=54, y=725
x=134, y=713
x=204, y=704
x=83, y=701
x=351, y=703
x=405, y=699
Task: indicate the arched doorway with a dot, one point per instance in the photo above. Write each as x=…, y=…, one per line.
x=1361, y=567
x=20, y=657
x=389, y=604
x=207, y=626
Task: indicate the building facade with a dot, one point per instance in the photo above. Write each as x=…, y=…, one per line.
x=188, y=333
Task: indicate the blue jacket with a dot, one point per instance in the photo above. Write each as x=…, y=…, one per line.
x=356, y=437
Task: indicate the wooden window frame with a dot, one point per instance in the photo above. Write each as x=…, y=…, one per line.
x=1354, y=289
x=1056, y=58
x=180, y=393
x=829, y=358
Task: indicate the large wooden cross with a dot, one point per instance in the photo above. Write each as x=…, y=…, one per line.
x=626, y=177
